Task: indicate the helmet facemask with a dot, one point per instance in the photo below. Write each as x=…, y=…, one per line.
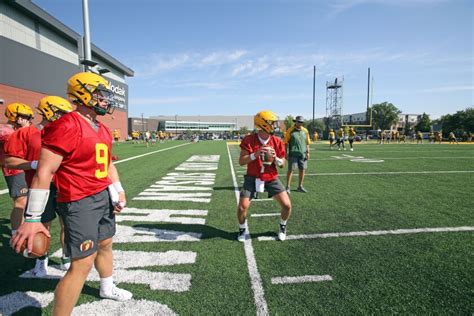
x=99, y=94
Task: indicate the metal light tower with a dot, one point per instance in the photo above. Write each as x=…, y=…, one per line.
x=334, y=103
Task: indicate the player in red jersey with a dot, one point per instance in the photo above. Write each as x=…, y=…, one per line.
x=77, y=149
x=15, y=179
x=261, y=174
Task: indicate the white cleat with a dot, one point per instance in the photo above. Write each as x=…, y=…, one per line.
x=282, y=233
x=352, y=149
x=116, y=294
x=41, y=268
x=242, y=235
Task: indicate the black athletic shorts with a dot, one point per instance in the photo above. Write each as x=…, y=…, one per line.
x=86, y=222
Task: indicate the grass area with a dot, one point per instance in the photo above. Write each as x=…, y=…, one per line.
x=426, y=273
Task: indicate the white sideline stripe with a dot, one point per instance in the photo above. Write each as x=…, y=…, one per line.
x=388, y=172
x=265, y=215
x=3, y=191
x=400, y=158
x=301, y=279
x=374, y=233
x=150, y=153
x=255, y=278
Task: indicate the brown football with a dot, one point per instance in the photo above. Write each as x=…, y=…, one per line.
x=40, y=246
x=267, y=156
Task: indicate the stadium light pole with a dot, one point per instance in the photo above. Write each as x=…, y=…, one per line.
x=87, y=35
x=314, y=84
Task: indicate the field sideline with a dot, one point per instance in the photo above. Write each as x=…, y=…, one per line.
x=383, y=229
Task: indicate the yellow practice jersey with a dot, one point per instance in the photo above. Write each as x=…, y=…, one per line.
x=332, y=135
x=352, y=133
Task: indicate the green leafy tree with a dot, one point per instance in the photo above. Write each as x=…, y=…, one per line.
x=424, y=125
x=317, y=126
x=459, y=122
x=243, y=131
x=288, y=122
x=384, y=115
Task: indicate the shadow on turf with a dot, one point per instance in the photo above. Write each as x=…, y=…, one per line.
x=13, y=265
x=208, y=232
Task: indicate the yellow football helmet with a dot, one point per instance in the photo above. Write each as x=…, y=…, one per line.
x=88, y=89
x=13, y=110
x=51, y=107
x=266, y=121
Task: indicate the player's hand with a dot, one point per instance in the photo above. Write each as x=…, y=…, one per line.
x=271, y=150
x=27, y=231
x=307, y=156
x=120, y=205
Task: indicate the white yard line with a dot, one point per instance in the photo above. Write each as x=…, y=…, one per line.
x=5, y=191
x=301, y=279
x=150, y=153
x=398, y=158
x=385, y=173
x=373, y=233
x=255, y=278
x=265, y=215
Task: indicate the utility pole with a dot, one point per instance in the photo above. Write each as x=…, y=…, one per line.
x=314, y=84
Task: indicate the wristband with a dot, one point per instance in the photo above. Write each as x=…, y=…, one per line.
x=34, y=164
x=279, y=161
x=252, y=156
x=118, y=187
x=37, y=200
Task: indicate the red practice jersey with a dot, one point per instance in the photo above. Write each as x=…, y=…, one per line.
x=86, y=156
x=25, y=143
x=7, y=172
x=251, y=143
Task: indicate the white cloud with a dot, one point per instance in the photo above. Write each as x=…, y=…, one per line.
x=220, y=58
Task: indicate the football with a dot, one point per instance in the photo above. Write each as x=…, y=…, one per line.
x=267, y=156
x=40, y=246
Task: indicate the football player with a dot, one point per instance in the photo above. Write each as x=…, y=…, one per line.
x=77, y=149
x=262, y=174
x=452, y=138
x=15, y=179
x=352, y=135
x=340, y=139
x=332, y=136
x=21, y=152
x=419, y=137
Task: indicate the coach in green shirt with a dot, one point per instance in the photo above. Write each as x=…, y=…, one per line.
x=297, y=149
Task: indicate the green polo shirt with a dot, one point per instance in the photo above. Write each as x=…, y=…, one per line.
x=297, y=141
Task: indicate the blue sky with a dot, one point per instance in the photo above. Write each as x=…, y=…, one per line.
x=236, y=57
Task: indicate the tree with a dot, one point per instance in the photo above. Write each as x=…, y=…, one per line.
x=424, y=125
x=317, y=126
x=384, y=115
x=243, y=131
x=459, y=122
x=288, y=122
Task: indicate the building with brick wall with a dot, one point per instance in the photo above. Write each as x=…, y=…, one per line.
x=38, y=53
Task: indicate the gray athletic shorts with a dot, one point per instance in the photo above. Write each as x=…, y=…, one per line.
x=86, y=222
x=17, y=185
x=272, y=187
x=294, y=162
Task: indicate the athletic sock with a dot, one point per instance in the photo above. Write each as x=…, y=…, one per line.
x=244, y=225
x=106, y=284
x=282, y=222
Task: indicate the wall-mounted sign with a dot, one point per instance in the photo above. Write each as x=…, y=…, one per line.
x=120, y=91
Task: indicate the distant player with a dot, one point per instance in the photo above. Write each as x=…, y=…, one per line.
x=340, y=139
x=315, y=136
x=431, y=137
x=262, y=175
x=419, y=137
x=332, y=137
x=352, y=135
x=452, y=138
x=116, y=135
